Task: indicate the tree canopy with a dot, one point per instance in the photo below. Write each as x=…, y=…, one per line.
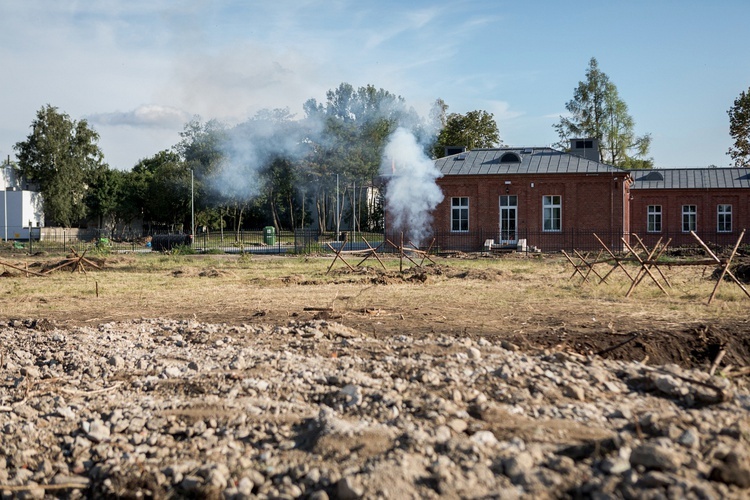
x=739, y=129
x=60, y=155
x=475, y=129
x=597, y=111
x=269, y=169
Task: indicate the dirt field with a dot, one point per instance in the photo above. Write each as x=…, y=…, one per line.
x=268, y=377
x=531, y=302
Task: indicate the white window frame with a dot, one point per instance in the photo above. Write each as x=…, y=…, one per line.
x=724, y=218
x=459, y=214
x=689, y=218
x=653, y=219
x=552, y=213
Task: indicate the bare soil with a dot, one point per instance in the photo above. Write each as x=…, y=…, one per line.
x=532, y=303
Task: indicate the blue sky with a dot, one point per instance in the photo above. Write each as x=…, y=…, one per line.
x=137, y=70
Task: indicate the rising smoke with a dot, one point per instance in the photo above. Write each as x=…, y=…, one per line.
x=412, y=193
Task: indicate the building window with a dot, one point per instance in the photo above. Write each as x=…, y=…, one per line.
x=654, y=219
x=552, y=213
x=460, y=214
x=689, y=218
x=724, y=218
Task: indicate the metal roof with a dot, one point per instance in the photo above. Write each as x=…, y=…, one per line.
x=533, y=161
x=691, y=178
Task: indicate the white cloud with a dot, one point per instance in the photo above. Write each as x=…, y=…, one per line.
x=149, y=115
x=502, y=112
x=240, y=80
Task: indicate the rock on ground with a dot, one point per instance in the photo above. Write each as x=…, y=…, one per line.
x=162, y=408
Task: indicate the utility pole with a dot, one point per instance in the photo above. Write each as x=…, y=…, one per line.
x=192, y=209
x=5, y=199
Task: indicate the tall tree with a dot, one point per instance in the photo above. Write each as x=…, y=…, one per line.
x=475, y=129
x=597, y=111
x=353, y=126
x=161, y=185
x=739, y=129
x=60, y=155
x=104, y=195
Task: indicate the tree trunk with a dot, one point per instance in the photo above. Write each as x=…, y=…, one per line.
x=274, y=211
x=290, y=199
x=240, y=211
x=320, y=208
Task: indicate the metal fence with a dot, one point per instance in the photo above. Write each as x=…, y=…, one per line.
x=549, y=241
x=307, y=241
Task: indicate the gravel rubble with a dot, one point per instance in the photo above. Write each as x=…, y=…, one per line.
x=157, y=408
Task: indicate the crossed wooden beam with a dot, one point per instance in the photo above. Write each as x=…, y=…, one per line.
x=648, y=260
x=76, y=262
x=370, y=251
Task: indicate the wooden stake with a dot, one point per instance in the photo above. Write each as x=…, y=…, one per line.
x=643, y=267
x=726, y=265
x=616, y=259
x=716, y=362
x=338, y=254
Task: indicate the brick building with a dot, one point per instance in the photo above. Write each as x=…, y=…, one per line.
x=553, y=200
x=669, y=203
x=540, y=197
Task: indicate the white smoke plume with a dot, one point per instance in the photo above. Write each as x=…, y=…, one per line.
x=412, y=193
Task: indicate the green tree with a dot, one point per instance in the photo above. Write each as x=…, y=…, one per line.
x=161, y=186
x=597, y=111
x=60, y=155
x=739, y=129
x=348, y=134
x=104, y=197
x=475, y=129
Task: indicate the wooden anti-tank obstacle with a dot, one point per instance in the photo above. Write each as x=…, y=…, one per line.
x=649, y=262
x=404, y=252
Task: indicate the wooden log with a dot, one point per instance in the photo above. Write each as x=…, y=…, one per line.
x=338, y=254
x=26, y=270
x=726, y=270
x=616, y=258
x=646, y=269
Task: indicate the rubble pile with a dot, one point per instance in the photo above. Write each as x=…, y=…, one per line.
x=157, y=408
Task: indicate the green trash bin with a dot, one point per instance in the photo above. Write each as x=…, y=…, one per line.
x=269, y=235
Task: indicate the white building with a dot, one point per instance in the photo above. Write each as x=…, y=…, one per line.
x=20, y=209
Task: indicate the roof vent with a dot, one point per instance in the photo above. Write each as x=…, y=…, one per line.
x=652, y=176
x=527, y=151
x=461, y=156
x=510, y=158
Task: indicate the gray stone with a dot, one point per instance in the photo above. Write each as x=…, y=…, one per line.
x=656, y=457
x=574, y=391
x=98, y=431
x=348, y=489
x=517, y=466
x=116, y=361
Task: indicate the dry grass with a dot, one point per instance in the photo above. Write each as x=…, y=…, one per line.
x=505, y=294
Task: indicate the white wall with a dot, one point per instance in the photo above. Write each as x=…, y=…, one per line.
x=24, y=207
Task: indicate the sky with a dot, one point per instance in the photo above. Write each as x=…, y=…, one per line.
x=139, y=70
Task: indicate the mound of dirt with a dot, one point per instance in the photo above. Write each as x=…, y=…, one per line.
x=480, y=274
x=741, y=271
x=692, y=347
x=211, y=273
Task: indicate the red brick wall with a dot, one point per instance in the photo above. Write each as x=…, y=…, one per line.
x=672, y=200
x=589, y=203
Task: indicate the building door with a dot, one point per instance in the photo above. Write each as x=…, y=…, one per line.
x=508, y=219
